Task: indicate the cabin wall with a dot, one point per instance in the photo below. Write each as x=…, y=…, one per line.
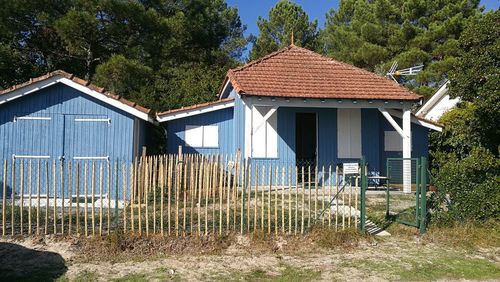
x=223, y=119
x=61, y=135
x=65, y=130
x=373, y=125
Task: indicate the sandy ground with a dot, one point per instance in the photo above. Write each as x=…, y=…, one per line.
x=49, y=259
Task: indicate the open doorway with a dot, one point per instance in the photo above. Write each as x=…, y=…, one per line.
x=305, y=140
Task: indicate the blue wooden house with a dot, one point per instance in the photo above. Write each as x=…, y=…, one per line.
x=297, y=107
x=58, y=119
x=59, y=116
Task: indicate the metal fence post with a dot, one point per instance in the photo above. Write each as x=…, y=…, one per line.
x=423, y=194
x=364, y=184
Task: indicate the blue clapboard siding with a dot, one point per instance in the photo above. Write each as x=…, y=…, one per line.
x=63, y=104
x=231, y=137
x=327, y=146
x=59, y=134
x=223, y=119
x=420, y=142
x=373, y=125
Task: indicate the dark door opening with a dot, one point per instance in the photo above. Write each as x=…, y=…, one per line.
x=305, y=140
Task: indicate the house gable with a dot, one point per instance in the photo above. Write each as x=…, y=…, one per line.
x=59, y=120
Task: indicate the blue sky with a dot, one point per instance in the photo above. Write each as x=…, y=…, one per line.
x=250, y=10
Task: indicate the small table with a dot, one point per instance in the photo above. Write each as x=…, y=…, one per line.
x=383, y=178
x=386, y=179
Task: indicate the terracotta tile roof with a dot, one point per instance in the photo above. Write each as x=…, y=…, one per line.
x=192, y=107
x=81, y=82
x=301, y=73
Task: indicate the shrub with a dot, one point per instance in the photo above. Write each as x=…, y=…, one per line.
x=469, y=188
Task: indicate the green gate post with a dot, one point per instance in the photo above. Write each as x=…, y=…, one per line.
x=418, y=209
x=423, y=194
x=364, y=184
x=387, y=195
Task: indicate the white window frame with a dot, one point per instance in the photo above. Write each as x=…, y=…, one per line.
x=349, y=133
x=207, y=139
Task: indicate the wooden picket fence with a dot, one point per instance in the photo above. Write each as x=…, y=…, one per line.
x=174, y=195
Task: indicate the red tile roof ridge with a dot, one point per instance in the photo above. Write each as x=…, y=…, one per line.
x=263, y=81
x=346, y=65
x=259, y=60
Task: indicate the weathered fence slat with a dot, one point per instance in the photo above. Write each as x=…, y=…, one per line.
x=195, y=194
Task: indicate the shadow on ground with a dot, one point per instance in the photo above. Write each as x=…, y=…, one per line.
x=18, y=263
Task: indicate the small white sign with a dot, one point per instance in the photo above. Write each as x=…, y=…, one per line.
x=351, y=168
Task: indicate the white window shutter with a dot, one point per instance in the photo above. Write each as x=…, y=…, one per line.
x=355, y=138
x=349, y=133
x=259, y=134
x=272, y=136
x=393, y=141
x=194, y=136
x=211, y=136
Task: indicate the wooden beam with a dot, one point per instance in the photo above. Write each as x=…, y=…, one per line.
x=394, y=124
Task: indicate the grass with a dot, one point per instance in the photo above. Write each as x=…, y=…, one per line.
x=84, y=276
x=434, y=266
x=288, y=273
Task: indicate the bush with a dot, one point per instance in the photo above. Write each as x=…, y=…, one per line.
x=469, y=188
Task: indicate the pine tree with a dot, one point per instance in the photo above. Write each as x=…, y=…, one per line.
x=374, y=34
x=276, y=31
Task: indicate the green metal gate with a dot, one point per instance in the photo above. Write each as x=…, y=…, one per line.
x=414, y=216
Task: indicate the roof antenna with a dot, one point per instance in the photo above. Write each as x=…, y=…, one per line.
x=392, y=73
x=293, y=42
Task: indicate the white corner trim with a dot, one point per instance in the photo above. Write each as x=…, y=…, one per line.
x=197, y=111
x=394, y=124
x=247, y=115
x=434, y=99
x=428, y=125
x=39, y=85
x=108, y=100
x=416, y=120
x=28, y=89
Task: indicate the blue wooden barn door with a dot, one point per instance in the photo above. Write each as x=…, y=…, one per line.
x=85, y=137
x=38, y=136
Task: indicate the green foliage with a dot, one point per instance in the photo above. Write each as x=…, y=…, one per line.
x=276, y=31
x=466, y=153
x=468, y=187
x=373, y=34
x=458, y=136
x=130, y=77
x=161, y=54
x=476, y=76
